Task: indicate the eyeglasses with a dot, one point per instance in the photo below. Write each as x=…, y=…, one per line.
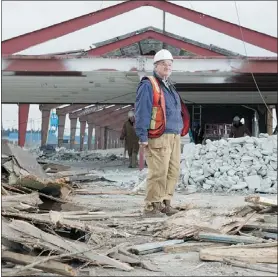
x=166, y=64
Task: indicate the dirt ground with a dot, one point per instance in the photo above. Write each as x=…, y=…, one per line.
x=180, y=264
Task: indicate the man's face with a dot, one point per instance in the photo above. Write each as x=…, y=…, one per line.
x=132, y=119
x=164, y=68
x=236, y=123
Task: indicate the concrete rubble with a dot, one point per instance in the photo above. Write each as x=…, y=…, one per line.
x=63, y=154
x=247, y=164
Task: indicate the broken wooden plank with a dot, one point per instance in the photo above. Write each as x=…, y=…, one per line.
x=28, y=272
x=242, y=224
x=249, y=266
x=116, y=192
x=271, y=228
x=47, y=266
x=268, y=235
x=270, y=219
x=68, y=173
x=144, y=264
x=89, y=178
x=258, y=253
x=190, y=247
x=256, y=199
x=54, y=219
x=152, y=247
x=66, y=245
x=227, y=238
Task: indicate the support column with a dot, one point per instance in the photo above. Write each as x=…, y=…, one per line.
x=269, y=120
x=111, y=138
x=90, y=135
x=73, y=122
x=82, y=134
x=111, y=135
x=45, y=125
x=102, y=137
x=106, y=137
x=23, y=113
x=97, y=137
x=61, y=128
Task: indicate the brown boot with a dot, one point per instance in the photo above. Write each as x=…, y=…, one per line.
x=155, y=212
x=130, y=162
x=168, y=210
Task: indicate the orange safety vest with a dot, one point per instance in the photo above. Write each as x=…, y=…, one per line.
x=158, y=117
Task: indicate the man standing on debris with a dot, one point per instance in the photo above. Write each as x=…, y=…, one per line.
x=161, y=117
x=131, y=140
x=238, y=129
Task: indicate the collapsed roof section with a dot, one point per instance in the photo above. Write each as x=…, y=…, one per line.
x=151, y=46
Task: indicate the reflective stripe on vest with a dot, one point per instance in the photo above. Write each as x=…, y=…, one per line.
x=158, y=117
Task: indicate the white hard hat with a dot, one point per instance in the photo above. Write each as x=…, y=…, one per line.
x=130, y=114
x=162, y=55
x=236, y=119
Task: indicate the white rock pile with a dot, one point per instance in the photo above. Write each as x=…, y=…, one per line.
x=247, y=164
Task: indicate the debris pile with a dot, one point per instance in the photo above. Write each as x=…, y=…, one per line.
x=63, y=154
x=247, y=164
x=242, y=238
x=44, y=231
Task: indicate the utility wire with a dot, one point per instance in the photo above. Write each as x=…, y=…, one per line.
x=254, y=79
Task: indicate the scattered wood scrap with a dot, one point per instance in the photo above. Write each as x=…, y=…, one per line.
x=116, y=192
x=227, y=238
x=259, y=200
x=46, y=264
x=258, y=253
x=152, y=247
x=30, y=236
x=249, y=266
x=190, y=246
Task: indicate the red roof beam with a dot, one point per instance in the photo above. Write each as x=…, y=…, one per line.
x=22, y=42
x=195, y=49
x=233, y=30
x=27, y=40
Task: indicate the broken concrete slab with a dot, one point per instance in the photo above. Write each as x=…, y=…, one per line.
x=23, y=160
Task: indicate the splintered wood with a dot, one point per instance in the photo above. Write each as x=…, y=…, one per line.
x=28, y=235
x=261, y=200
x=45, y=264
x=259, y=253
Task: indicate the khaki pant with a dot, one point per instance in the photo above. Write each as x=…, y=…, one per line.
x=163, y=160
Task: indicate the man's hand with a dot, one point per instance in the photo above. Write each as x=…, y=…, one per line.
x=143, y=144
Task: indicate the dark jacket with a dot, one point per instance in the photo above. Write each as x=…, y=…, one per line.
x=239, y=131
x=131, y=140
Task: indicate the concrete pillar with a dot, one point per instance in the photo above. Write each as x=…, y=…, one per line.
x=23, y=113
x=82, y=134
x=97, y=137
x=90, y=135
x=73, y=123
x=101, y=145
x=61, y=128
x=106, y=137
x=269, y=120
x=111, y=139
x=45, y=125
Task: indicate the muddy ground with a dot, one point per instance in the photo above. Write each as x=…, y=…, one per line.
x=180, y=264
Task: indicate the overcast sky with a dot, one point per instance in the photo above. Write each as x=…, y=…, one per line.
x=19, y=17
